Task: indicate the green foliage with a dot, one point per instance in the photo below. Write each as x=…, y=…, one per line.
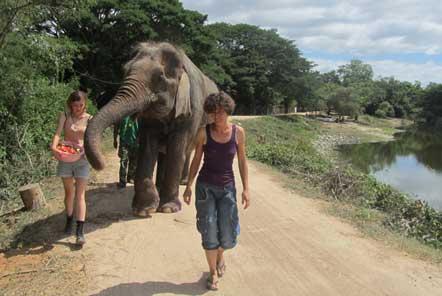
x=107, y=30
x=432, y=105
x=266, y=70
x=402, y=97
x=32, y=95
x=355, y=72
x=285, y=142
x=344, y=102
x=413, y=218
x=384, y=110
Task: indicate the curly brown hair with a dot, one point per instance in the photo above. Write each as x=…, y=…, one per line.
x=221, y=99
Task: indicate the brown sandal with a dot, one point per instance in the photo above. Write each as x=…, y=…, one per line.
x=221, y=268
x=212, y=285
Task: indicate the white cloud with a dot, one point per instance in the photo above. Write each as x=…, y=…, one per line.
x=358, y=28
x=425, y=73
x=363, y=26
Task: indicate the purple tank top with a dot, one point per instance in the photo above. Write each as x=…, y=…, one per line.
x=218, y=160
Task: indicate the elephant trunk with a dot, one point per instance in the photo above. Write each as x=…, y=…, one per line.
x=130, y=98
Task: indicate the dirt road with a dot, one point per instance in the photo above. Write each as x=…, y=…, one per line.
x=287, y=246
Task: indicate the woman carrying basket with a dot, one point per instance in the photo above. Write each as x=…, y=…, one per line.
x=73, y=174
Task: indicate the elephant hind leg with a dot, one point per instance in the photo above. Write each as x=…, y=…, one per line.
x=174, y=163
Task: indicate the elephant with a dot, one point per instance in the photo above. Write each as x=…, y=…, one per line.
x=167, y=91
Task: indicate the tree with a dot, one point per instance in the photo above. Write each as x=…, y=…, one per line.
x=33, y=92
x=385, y=109
x=330, y=77
x=266, y=69
x=355, y=72
x=403, y=97
x=432, y=104
x=106, y=31
x=344, y=103
x=326, y=92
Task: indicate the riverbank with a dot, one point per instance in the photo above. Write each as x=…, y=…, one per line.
x=366, y=130
x=303, y=148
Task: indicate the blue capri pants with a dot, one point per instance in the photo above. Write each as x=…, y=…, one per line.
x=217, y=215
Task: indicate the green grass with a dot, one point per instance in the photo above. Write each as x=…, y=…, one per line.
x=370, y=223
x=286, y=143
x=281, y=128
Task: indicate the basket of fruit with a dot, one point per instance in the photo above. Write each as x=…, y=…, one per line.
x=69, y=151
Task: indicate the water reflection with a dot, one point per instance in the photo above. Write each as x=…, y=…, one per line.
x=412, y=163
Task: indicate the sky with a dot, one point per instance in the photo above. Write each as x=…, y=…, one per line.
x=400, y=38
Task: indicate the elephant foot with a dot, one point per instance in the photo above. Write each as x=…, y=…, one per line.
x=146, y=200
x=145, y=213
x=171, y=207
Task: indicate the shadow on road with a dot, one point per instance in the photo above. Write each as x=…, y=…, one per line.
x=157, y=288
x=105, y=205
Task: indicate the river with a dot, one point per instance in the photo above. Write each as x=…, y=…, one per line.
x=411, y=163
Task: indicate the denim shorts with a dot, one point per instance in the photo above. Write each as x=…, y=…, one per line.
x=77, y=169
x=216, y=215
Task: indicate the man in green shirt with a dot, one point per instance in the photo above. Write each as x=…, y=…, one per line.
x=128, y=149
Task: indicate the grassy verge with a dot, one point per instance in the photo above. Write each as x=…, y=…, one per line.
x=286, y=142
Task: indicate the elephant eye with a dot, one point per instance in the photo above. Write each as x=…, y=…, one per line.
x=158, y=81
x=171, y=63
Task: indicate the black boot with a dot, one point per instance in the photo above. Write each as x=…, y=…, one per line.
x=69, y=224
x=80, y=236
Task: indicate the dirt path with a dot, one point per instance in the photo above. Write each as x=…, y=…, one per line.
x=287, y=246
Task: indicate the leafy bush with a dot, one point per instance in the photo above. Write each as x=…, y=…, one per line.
x=380, y=113
x=33, y=95
x=287, y=145
x=385, y=109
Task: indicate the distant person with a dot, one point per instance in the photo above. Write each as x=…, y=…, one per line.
x=73, y=125
x=128, y=148
x=217, y=212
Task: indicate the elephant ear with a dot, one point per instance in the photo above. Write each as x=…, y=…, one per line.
x=182, y=100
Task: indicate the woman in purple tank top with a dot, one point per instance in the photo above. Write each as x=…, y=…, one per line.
x=215, y=191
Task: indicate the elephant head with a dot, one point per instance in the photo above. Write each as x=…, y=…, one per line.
x=157, y=85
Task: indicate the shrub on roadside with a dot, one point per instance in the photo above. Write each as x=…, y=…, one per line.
x=295, y=155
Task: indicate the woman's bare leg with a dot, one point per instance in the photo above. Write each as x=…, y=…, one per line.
x=220, y=263
x=211, y=256
x=68, y=184
x=80, y=201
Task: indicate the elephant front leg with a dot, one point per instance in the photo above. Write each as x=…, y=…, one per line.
x=174, y=163
x=146, y=199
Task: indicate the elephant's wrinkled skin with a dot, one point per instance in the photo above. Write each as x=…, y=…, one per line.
x=167, y=90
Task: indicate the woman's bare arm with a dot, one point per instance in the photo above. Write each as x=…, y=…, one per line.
x=196, y=161
x=57, y=135
x=243, y=167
